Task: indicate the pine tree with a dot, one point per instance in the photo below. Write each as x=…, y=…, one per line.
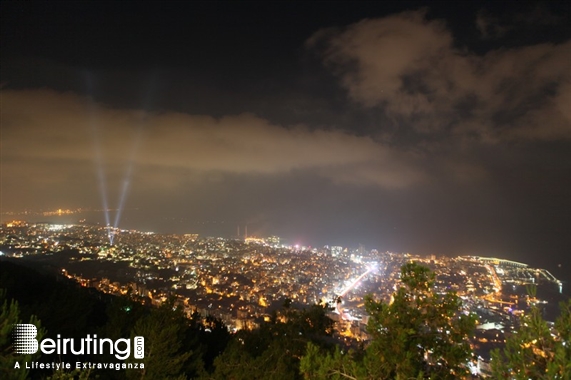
x=76, y=374
x=164, y=330
x=273, y=351
x=536, y=350
x=420, y=334
x=9, y=316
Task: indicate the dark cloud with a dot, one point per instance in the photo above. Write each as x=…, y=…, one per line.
x=408, y=65
x=489, y=26
x=47, y=134
x=539, y=15
x=416, y=135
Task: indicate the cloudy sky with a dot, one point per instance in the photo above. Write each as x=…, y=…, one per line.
x=429, y=128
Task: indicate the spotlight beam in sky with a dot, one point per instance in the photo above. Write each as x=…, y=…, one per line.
x=127, y=178
x=132, y=155
x=101, y=178
x=102, y=181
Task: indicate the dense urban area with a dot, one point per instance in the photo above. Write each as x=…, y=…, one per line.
x=241, y=280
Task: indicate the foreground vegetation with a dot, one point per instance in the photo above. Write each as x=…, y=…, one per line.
x=419, y=335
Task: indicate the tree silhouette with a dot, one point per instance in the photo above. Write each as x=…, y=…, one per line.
x=536, y=350
x=273, y=351
x=9, y=316
x=420, y=334
x=164, y=330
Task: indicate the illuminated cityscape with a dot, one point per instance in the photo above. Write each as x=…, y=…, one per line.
x=240, y=280
x=289, y=190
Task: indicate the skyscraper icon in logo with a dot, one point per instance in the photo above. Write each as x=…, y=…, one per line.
x=25, y=341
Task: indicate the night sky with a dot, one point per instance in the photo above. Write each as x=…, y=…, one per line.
x=430, y=128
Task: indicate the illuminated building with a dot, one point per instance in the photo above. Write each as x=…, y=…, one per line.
x=16, y=223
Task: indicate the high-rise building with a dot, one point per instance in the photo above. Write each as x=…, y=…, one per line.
x=273, y=240
x=336, y=250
